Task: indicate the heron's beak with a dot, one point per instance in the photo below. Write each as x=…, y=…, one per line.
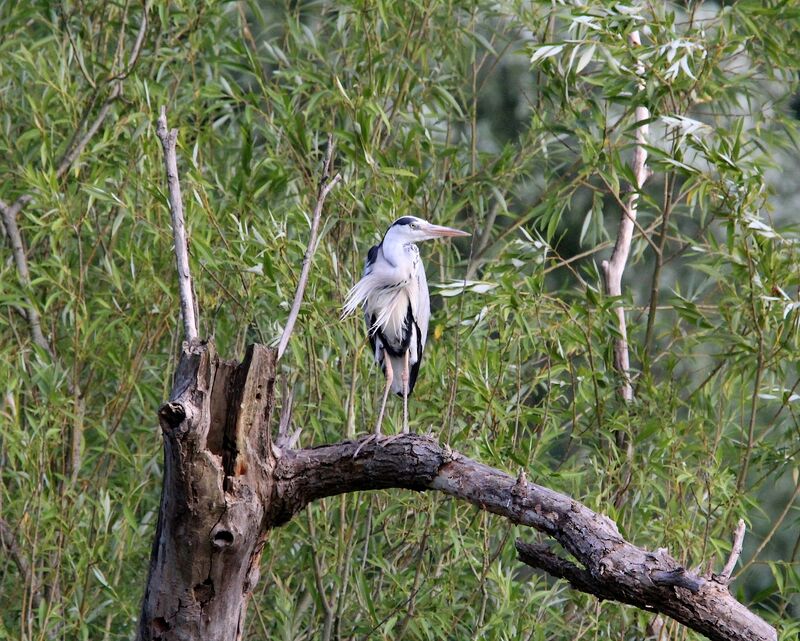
x=437, y=231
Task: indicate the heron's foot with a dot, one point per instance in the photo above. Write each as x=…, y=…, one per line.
x=372, y=437
x=379, y=422
x=388, y=439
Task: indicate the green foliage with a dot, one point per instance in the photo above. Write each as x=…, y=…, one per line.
x=511, y=120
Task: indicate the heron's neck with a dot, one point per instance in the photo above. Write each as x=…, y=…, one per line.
x=398, y=253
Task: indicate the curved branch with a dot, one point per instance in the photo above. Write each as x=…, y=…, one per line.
x=612, y=568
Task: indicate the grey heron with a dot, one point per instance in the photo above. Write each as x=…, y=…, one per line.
x=393, y=292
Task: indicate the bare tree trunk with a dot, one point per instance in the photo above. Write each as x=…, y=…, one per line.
x=218, y=478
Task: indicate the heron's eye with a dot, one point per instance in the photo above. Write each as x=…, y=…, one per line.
x=414, y=226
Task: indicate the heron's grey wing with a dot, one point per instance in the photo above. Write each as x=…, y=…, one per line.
x=421, y=322
x=423, y=307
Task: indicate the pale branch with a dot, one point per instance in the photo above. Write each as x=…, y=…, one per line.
x=724, y=577
x=9, y=542
x=612, y=567
x=168, y=143
x=614, y=268
x=326, y=184
x=10, y=213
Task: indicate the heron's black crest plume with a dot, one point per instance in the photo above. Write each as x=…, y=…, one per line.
x=405, y=220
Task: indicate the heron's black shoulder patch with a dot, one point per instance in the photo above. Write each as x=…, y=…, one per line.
x=405, y=220
x=372, y=254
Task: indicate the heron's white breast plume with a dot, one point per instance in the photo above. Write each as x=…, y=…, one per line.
x=387, y=300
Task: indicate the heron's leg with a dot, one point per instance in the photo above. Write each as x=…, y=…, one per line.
x=405, y=393
x=389, y=376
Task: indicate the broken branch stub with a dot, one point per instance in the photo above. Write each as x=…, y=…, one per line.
x=217, y=480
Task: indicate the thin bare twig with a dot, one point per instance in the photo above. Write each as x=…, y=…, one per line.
x=9, y=542
x=168, y=140
x=10, y=213
x=326, y=184
x=724, y=577
x=614, y=268
x=75, y=149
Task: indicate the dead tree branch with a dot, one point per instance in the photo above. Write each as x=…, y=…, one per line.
x=614, y=268
x=226, y=486
x=168, y=143
x=612, y=568
x=326, y=184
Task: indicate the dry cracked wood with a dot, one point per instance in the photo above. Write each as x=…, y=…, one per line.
x=612, y=568
x=226, y=485
x=215, y=498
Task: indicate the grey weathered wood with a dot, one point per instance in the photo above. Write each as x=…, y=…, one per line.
x=612, y=567
x=226, y=484
x=169, y=141
x=217, y=483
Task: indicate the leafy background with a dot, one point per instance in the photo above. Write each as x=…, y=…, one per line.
x=511, y=120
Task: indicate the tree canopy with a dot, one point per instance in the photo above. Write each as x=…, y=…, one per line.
x=515, y=121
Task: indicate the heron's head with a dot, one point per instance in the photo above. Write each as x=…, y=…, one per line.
x=410, y=229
